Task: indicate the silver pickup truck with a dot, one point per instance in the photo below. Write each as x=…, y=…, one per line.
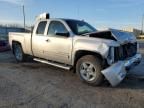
x=74, y=44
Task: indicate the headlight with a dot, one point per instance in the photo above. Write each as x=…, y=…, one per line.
x=110, y=57
x=138, y=48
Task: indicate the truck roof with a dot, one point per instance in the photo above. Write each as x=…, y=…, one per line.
x=64, y=19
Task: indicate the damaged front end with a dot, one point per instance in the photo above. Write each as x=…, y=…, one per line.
x=121, y=58
x=121, y=53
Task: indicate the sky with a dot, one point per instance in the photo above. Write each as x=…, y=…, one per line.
x=99, y=13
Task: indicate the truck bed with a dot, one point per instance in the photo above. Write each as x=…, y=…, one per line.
x=23, y=38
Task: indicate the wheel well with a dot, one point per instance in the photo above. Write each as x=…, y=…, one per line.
x=14, y=43
x=82, y=53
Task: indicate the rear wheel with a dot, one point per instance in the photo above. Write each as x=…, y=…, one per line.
x=89, y=69
x=18, y=53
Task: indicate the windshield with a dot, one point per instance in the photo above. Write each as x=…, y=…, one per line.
x=80, y=27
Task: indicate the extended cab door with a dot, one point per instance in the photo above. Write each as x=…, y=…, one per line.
x=59, y=43
x=39, y=38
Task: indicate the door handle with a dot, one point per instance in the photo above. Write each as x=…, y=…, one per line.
x=47, y=40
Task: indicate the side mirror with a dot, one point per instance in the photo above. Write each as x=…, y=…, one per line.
x=66, y=34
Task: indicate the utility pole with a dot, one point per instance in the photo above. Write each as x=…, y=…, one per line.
x=142, y=24
x=24, y=15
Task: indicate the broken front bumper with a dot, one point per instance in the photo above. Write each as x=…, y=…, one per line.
x=117, y=72
x=130, y=63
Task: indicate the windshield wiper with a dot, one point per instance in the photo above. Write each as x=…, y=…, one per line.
x=87, y=33
x=84, y=34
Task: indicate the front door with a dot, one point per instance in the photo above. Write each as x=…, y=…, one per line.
x=58, y=47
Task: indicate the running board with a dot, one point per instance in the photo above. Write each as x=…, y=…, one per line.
x=53, y=64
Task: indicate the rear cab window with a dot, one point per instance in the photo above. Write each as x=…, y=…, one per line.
x=41, y=28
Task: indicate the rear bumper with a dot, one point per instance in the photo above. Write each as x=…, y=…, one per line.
x=117, y=72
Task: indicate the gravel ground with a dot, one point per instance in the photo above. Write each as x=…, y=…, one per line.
x=35, y=85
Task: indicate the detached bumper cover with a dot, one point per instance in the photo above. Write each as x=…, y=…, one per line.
x=117, y=72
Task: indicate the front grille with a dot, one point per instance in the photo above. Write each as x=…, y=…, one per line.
x=125, y=51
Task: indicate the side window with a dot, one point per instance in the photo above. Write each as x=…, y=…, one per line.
x=56, y=26
x=41, y=27
x=82, y=29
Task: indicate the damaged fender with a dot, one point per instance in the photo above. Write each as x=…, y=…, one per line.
x=115, y=73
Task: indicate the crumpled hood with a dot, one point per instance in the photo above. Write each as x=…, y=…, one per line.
x=117, y=35
x=123, y=37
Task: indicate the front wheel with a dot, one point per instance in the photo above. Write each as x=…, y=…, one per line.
x=89, y=69
x=18, y=53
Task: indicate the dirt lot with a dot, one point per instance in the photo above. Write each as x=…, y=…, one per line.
x=35, y=85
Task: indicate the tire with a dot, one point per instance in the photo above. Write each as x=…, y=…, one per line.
x=89, y=69
x=18, y=53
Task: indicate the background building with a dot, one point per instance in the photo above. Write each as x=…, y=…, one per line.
x=135, y=31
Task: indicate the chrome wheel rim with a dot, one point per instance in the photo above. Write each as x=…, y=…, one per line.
x=88, y=71
x=18, y=53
